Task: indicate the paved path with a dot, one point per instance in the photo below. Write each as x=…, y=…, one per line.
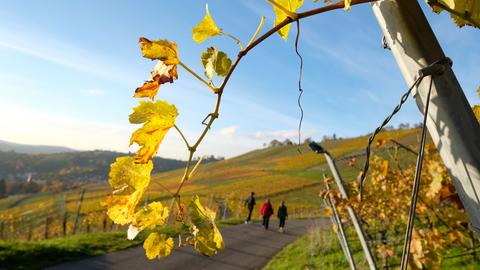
x=246, y=247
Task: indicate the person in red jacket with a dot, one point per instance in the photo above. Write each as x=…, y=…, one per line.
x=266, y=210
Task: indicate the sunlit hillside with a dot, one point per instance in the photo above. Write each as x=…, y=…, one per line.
x=291, y=173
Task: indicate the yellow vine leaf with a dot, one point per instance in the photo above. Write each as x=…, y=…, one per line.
x=476, y=111
x=347, y=4
x=381, y=142
x=129, y=181
x=205, y=29
x=149, y=217
x=291, y=5
x=328, y=211
x=121, y=207
x=158, y=117
x=206, y=237
x=437, y=171
x=463, y=12
x=384, y=168
x=158, y=246
x=160, y=74
x=125, y=175
x=335, y=228
x=215, y=61
x=418, y=255
x=162, y=50
x=385, y=251
x=476, y=108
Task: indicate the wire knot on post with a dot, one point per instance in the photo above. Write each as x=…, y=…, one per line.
x=436, y=68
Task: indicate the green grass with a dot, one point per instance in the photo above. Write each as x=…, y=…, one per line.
x=35, y=255
x=24, y=255
x=320, y=249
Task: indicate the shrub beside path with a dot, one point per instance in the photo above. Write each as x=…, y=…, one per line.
x=246, y=247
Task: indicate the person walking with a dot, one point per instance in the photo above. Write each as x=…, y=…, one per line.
x=250, y=203
x=282, y=214
x=266, y=210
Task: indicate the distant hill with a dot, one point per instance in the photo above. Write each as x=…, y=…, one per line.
x=32, y=149
x=69, y=168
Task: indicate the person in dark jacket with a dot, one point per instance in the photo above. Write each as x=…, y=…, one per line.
x=282, y=214
x=266, y=210
x=250, y=203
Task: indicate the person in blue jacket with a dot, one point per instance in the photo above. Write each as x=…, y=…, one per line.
x=250, y=203
x=282, y=214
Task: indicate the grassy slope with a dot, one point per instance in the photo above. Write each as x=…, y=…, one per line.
x=273, y=172
x=278, y=173
x=320, y=249
x=24, y=255
x=35, y=255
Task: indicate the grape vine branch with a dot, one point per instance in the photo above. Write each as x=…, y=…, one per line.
x=130, y=176
x=252, y=44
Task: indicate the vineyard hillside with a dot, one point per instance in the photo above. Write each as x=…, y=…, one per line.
x=286, y=172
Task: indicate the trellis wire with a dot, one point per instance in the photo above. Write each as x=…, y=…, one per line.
x=437, y=67
x=416, y=185
x=378, y=129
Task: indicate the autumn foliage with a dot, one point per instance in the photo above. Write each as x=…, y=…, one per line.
x=130, y=176
x=441, y=221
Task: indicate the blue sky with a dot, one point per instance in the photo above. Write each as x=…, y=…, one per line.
x=68, y=72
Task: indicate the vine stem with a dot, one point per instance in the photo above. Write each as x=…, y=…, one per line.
x=195, y=167
x=219, y=91
x=164, y=187
x=234, y=38
x=197, y=76
x=259, y=28
x=181, y=135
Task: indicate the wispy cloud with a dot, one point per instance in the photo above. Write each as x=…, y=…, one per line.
x=94, y=92
x=30, y=126
x=371, y=95
x=261, y=9
x=362, y=60
x=281, y=134
x=261, y=111
x=54, y=50
x=229, y=132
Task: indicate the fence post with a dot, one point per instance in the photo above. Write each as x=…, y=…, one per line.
x=47, y=224
x=225, y=207
x=29, y=237
x=382, y=238
x=239, y=207
x=105, y=219
x=64, y=223
x=79, y=205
